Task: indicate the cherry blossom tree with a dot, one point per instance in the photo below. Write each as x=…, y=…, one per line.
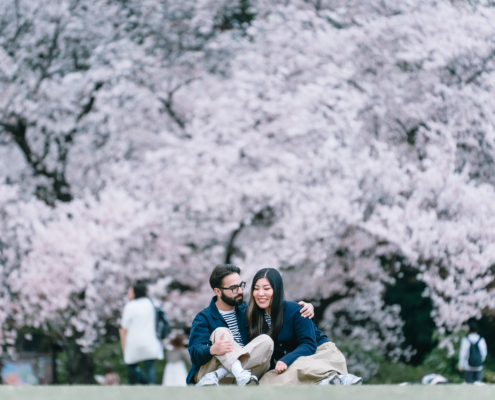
x=152, y=140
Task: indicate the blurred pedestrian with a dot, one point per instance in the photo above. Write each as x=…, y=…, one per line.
x=138, y=337
x=472, y=354
x=109, y=379
x=175, y=373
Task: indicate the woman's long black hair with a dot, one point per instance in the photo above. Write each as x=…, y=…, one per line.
x=256, y=314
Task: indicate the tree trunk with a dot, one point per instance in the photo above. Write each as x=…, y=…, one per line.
x=80, y=366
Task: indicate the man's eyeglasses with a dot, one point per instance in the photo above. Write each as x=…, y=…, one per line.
x=235, y=288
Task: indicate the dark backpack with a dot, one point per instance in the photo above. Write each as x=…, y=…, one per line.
x=474, y=359
x=162, y=324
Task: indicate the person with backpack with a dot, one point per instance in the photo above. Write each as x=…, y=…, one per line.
x=472, y=354
x=142, y=328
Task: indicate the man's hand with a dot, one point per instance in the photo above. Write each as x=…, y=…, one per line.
x=280, y=367
x=307, y=310
x=221, y=346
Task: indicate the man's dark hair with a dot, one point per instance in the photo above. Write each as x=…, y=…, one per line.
x=220, y=272
x=473, y=326
x=139, y=290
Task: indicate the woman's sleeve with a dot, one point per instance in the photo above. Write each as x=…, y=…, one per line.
x=306, y=339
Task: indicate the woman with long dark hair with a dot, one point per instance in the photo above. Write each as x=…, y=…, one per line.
x=302, y=354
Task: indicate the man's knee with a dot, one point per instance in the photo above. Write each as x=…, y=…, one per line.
x=266, y=342
x=217, y=333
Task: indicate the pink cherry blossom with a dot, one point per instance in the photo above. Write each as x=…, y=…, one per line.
x=153, y=140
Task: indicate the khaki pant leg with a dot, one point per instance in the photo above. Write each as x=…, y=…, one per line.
x=334, y=356
x=255, y=356
x=225, y=360
x=326, y=362
x=260, y=351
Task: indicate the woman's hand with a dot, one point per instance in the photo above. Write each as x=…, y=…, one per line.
x=280, y=367
x=307, y=310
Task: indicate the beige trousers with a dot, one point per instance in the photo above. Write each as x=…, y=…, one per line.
x=309, y=370
x=255, y=356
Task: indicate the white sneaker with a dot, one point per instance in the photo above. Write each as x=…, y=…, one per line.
x=333, y=380
x=350, y=379
x=210, y=379
x=247, y=379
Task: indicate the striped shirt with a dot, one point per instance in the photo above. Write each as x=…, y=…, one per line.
x=268, y=319
x=231, y=319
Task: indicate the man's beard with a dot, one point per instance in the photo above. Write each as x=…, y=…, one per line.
x=237, y=301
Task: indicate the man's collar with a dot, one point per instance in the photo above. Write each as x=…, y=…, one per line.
x=214, y=310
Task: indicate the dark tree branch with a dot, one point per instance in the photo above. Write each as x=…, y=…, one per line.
x=482, y=69
x=411, y=132
x=230, y=250
x=18, y=133
x=356, y=85
x=74, y=5
x=18, y=25
x=61, y=187
x=89, y=105
x=168, y=104
x=322, y=304
x=51, y=54
x=316, y=4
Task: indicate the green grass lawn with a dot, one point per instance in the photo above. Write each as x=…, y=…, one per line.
x=366, y=392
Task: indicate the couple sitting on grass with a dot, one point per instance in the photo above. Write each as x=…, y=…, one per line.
x=269, y=341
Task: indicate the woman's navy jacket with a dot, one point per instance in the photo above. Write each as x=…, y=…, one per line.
x=299, y=336
x=203, y=326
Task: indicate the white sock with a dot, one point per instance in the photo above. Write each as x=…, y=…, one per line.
x=221, y=373
x=236, y=368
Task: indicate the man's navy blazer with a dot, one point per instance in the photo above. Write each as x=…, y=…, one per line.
x=203, y=326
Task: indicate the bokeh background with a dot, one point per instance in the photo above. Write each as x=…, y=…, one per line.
x=348, y=143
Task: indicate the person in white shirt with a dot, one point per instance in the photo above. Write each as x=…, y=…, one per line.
x=468, y=364
x=138, y=337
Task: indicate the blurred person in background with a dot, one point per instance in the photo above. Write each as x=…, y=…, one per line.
x=109, y=379
x=138, y=337
x=472, y=354
x=175, y=373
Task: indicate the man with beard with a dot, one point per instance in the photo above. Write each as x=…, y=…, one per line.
x=220, y=348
